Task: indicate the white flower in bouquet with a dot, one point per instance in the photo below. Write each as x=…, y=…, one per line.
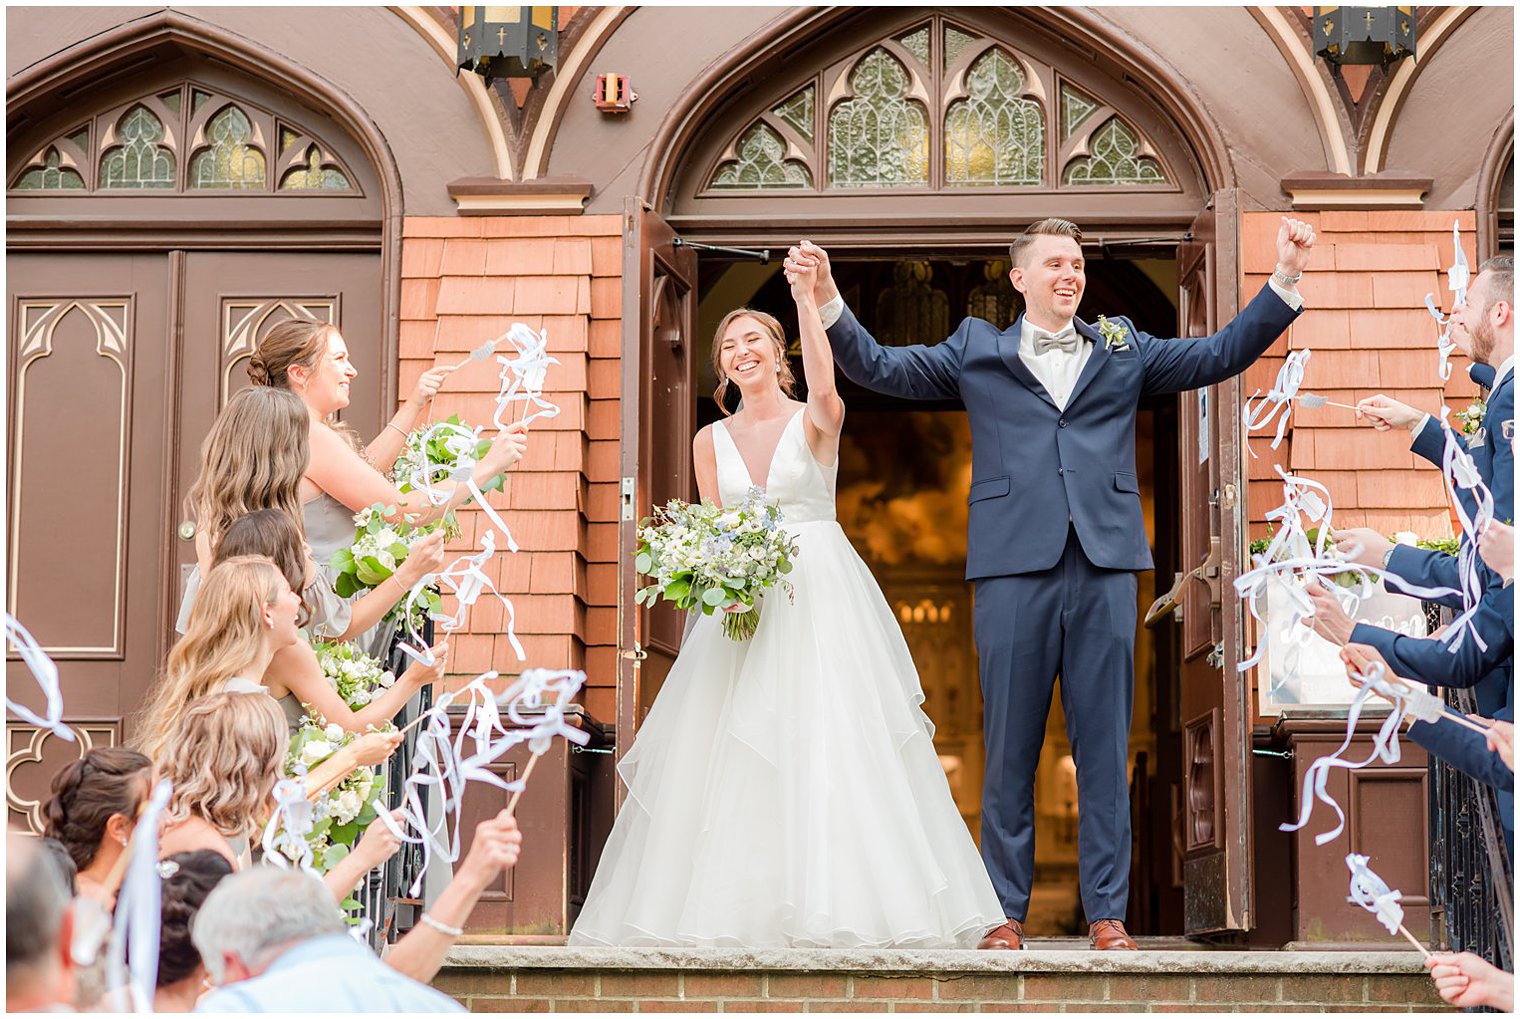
x=345, y=810
x=353, y=675
x=716, y=559
x=315, y=752
x=333, y=732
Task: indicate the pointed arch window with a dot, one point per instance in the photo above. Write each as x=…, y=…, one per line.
x=139, y=161
x=185, y=138
x=937, y=106
x=233, y=160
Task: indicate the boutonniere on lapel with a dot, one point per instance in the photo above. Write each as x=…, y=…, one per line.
x=1115, y=335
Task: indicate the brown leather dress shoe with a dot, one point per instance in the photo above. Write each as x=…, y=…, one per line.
x=1107, y=935
x=1005, y=936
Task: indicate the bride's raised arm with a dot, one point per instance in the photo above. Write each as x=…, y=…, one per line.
x=825, y=410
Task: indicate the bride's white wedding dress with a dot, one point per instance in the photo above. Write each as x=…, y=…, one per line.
x=785, y=791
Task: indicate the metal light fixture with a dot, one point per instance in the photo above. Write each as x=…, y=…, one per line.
x=508, y=42
x=1364, y=35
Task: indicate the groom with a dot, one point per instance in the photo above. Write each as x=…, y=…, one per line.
x=1056, y=529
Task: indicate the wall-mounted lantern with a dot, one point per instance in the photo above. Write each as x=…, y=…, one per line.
x=508, y=42
x=1364, y=35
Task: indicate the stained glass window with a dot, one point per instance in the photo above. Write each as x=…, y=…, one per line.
x=313, y=176
x=879, y=137
x=1115, y=159
x=993, y=136
x=956, y=42
x=50, y=176
x=917, y=43
x=762, y=163
x=798, y=112
x=230, y=162
x=139, y=161
x=1075, y=108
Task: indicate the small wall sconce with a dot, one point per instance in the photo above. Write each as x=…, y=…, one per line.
x=613, y=93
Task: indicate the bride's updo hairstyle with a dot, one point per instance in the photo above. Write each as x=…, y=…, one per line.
x=253, y=458
x=772, y=329
x=300, y=342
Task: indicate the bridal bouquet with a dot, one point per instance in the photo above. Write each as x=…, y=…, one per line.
x=714, y=559
x=348, y=807
x=379, y=548
x=430, y=455
x=355, y=676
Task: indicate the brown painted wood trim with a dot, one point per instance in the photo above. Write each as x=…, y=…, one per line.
x=168, y=610
x=116, y=48
x=760, y=55
x=1500, y=153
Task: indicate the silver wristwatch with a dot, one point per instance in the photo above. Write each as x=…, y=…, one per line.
x=1284, y=279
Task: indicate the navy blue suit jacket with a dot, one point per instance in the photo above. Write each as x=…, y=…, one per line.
x=1038, y=471
x=1465, y=750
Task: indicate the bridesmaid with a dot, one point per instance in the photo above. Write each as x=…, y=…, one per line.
x=245, y=615
x=311, y=359
x=223, y=759
x=254, y=458
x=93, y=811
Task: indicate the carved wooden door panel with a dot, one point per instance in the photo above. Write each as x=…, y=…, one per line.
x=660, y=353
x=1214, y=823
x=88, y=360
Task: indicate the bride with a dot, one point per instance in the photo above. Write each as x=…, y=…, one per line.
x=784, y=791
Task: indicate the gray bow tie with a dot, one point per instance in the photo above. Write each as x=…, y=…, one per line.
x=1067, y=340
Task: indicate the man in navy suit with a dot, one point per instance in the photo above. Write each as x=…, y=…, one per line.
x=1056, y=532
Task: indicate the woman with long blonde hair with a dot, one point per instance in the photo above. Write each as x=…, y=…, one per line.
x=224, y=756
x=253, y=459
x=245, y=617
x=310, y=359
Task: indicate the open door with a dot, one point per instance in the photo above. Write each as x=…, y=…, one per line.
x=1214, y=822
x=660, y=357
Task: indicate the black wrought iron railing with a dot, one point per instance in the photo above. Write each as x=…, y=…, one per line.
x=385, y=897
x=1470, y=872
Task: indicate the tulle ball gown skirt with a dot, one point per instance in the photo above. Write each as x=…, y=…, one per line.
x=784, y=792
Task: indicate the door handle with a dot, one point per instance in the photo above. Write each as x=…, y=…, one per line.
x=1206, y=571
x=187, y=530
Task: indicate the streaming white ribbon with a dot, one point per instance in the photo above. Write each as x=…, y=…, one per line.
x=1385, y=747
x=523, y=374
x=1291, y=560
x=289, y=823
x=1461, y=473
x=133, y=956
x=1373, y=894
x=1457, y=277
x=45, y=671
x=442, y=763
x=460, y=441
x=1278, y=402
x=467, y=581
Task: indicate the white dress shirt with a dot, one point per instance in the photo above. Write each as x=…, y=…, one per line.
x=1505, y=367
x=1057, y=370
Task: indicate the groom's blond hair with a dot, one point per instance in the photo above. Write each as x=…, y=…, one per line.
x=1052, y=227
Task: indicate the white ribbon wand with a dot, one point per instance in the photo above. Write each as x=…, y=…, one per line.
x=1457, y=276
x=45, y=671
x=1373, y=894
x=1385, y=747
x=543, y=693
x=139, y=908
x=461, y=442
x=1278, y=403
x=522, y=375
x=467, y=581
x=292, y=819
x=1459, y=471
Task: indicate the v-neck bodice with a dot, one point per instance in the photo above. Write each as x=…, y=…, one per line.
x=803, y=486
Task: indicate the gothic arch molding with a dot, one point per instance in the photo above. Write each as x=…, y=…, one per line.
x=761, y=56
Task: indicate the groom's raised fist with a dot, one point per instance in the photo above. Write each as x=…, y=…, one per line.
x=1294, y=240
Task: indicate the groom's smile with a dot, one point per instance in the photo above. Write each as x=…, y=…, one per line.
x=1051, y=274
